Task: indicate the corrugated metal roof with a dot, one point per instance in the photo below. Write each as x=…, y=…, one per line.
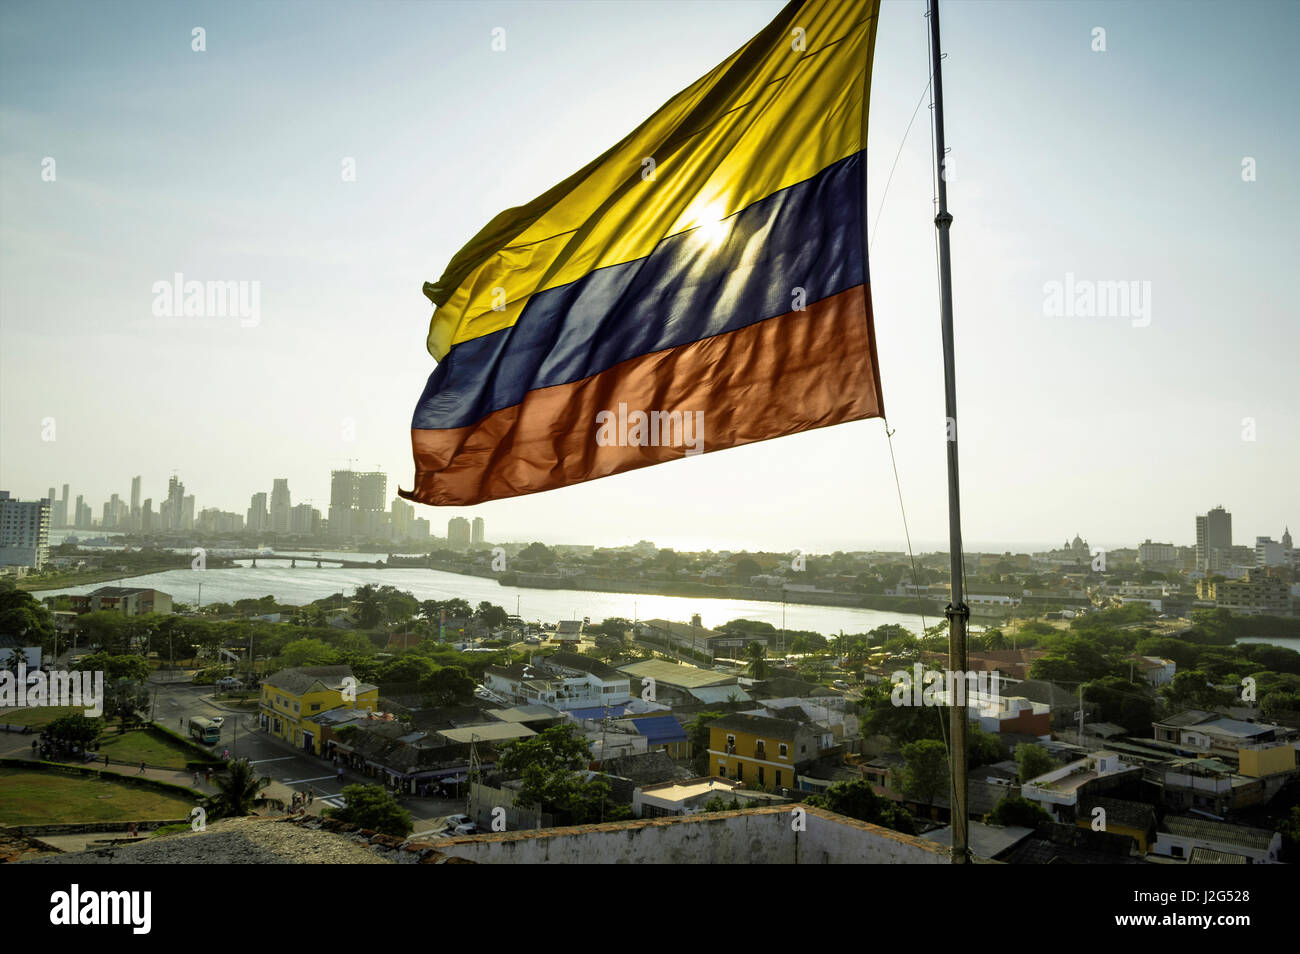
x=659, y=730
x=720, y=694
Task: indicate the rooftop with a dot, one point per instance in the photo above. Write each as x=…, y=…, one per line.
x=673, y=674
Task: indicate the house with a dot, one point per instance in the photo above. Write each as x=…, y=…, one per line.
x=127, y=600
x=1179, y=835
x=292, y=697
x=659, y=680
x=559, y=687
x=764, y=753
x=1120, y=816
x=568, y=631
x=1157, y=671
x=1014, y=714
x=1060, y=790
x=685, y=798
x=1197, y=730
x=612, y=686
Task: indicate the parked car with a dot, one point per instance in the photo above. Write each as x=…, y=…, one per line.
x=228, y=682
x=218, y=721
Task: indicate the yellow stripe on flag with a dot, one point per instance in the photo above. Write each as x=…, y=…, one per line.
x=778, y=111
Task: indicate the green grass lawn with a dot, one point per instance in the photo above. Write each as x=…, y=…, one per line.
x=43, y=798
x=39, y=717
x=139, y=746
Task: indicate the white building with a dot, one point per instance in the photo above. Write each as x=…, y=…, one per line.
x=24, y=532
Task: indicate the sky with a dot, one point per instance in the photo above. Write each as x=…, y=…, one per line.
x=1168, y=159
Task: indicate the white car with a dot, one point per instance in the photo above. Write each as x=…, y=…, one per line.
x=218, y=721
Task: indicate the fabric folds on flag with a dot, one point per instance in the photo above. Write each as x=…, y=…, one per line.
x=701, y=285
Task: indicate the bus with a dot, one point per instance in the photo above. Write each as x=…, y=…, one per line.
x=205, y=730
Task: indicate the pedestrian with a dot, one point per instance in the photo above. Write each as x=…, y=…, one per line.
x=105, y=761
x=181, y=722
x=340, y=774
x=130, y=829
x=141, y=772
x=208, y=776
x=196, y=776
x=33, y=746
x=311, y=798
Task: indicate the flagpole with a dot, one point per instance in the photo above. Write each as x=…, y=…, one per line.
x=957, y=611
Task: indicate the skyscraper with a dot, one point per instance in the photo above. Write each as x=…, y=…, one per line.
x=476, y=535
x=1213, y=533
x=457, y=533
x=175, y=505
x=357, y=506
x=63, y=520
x=135, y=503
x=257, y=519
x=280, y=505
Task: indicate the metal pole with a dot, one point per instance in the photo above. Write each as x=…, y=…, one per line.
x=957, y=611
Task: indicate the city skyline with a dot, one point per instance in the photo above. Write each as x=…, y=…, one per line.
x=1120, y=428
x=473, y=530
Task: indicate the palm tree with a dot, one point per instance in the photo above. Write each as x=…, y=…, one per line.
x=755, y=653
x=237, y=792
x=996, y=639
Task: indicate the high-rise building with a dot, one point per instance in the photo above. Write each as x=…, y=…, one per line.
x=280, y=505
x=1213, y=533
x=476, y=531
x=357, y=504
x=63, y=509
x=24, y=531
x=147, y=516
x=257, y=520
x=81, y=518
x=187, y=513
x=457, y=533
x=135, y=503
x=402, y=514
x=175, y=505
x=1157, y=554
x=304, y=519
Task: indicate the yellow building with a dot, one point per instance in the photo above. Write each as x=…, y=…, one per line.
x=1119, y=816
x=1256, y=761
x=763, y=753
x=292, y=697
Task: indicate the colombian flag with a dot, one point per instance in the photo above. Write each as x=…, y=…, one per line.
x=701, y=285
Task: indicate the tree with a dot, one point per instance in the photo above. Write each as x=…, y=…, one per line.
x=409, y=668
x=856, y=799
x=1125, y=703
x=1018, y=811
x=125, y=700
x=107, y=629
x=25, y=619
x=925, y=772
x=1192, y=689
x=1032, y=760
x=745, y=568
x=448, y=686
x=370, y=608
x=546, y=763
x=307, y=652
x=756, y=654
x=697, y=733
x=369, y=806
x=490, y=615
x=237, y=792
x=982, y=748
x=75, y=729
